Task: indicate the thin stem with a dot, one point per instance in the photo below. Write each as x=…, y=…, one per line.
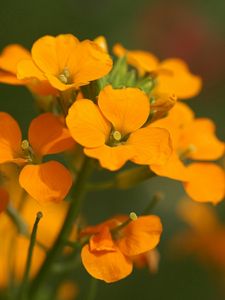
x=150, y=207
x=78, y=194
x=92, y=292
x=24, y=285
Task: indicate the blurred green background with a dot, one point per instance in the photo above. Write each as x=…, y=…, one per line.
x=192, y=30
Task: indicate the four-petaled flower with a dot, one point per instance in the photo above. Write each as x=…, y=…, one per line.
x=113, y=131
x=109, y=254
x=44, y=181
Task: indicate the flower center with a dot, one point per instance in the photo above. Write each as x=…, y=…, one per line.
x=65, y=76
x=117, y=136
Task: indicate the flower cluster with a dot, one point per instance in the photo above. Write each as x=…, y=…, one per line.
x=124, y=116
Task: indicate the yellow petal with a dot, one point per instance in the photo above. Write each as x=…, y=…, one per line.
x=173, y=168
x=107, y=266
x=151, y=145
x=140, y=235
x=112, y=158
x=86, y=124
x=207, y=182
x=178, y=79
x=49, y=181
x=127, y=109
x=48, y=135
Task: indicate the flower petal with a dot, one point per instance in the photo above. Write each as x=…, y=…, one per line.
x=93, y=63
x=201, y=134
x=178, y=79
x=48, y=135
x=112, y=158
x=102, y=241
x=10, y=138
x=143, y=61
x=104, y=265
x=207, y=182
x=140, y=236
x=9, y=78
x=173, y=168
x=86, y=124
x=152, y=145
x=26, y=69
x=10, y=57
x=127, y=109
x=49, y=181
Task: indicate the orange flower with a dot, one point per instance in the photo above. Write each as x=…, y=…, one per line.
x=9, y=59
x=193, y=139
x=205, y=236
x=108, y=256
x=112, y=131
x=48, y=181
x=172, y=75
x=65, y=62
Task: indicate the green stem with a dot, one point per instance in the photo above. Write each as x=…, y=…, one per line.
x=24, y=284
x=92, y=291
x=78, y=194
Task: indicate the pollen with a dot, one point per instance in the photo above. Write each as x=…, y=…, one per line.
x=117, y=136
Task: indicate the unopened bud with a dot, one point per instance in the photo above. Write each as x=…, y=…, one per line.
x=162, y=104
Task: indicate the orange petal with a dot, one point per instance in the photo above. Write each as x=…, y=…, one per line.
x=104, y=265
x=10, y=57
x=178, y=79
x=9, y=78
x=178, y=117
x=127, y=109
x=48, y=135
x=151, y=145
x=112, y=158
x=86, y=124
x=4, y=199
x=201, y=135
x=93, y=63
x=49, y=181
x=173, y=168
x=102, y=241
x=143, y=61
x=44, y=54
x=207, y=183
x=26, y=69
x=140, y=236
x=202, y=218
x=102, y=43
x=10, y=138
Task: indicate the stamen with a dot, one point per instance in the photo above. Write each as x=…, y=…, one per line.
x=117, y=136
x=133, y=216
x=64, y=77
x=25, y=145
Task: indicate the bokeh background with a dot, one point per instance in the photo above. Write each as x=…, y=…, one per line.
x=193, y=30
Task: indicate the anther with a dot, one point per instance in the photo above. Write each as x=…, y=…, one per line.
x=64, y=77
x=25, y=145
x=133, y=216
x=117, y=136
